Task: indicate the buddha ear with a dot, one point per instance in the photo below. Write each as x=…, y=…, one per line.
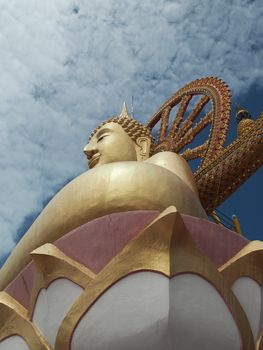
x=143, y=145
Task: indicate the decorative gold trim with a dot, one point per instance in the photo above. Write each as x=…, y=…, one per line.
x=52, y=264
x=222, y=175
x=214, y=185
x=14, y=321
x=213, y=89
x=164, y=246
x=247, y=262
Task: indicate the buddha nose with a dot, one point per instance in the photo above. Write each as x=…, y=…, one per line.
x=89, y=150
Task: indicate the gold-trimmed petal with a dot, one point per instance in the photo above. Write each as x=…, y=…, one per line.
x=52, y=264
x=247, y=262
x=14, y=321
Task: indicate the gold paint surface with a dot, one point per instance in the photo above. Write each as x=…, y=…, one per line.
x=110, y=188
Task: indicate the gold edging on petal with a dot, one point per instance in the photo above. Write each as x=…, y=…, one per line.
x=14, y=321
x=247, y=262
x=52, y=264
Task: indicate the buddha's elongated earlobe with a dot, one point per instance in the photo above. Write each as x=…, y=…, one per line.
x=143, y=145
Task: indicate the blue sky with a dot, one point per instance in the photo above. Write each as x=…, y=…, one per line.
x=67, y=65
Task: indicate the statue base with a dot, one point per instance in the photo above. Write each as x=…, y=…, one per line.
x=137, y=280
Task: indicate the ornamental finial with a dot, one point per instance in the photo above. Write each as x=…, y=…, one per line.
x=124, y=112
x=242, y=114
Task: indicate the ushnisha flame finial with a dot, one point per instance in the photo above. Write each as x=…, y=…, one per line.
x=124, y=112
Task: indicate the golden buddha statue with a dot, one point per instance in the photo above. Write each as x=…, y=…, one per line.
x=123, y=176
x=114, y=262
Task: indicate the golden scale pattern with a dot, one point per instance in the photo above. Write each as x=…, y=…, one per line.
x=222, y=176
x=222, y=170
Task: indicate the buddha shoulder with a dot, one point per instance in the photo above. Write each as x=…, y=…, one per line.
x=177, y=165
x=129, y=185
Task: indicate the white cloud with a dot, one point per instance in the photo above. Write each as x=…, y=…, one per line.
x=67, y=65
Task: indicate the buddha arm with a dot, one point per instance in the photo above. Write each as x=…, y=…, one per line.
x=177, y=165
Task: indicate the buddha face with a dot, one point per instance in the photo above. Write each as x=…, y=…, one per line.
x=112, y=144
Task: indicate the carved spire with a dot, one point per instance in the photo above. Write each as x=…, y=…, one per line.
x=124, y=112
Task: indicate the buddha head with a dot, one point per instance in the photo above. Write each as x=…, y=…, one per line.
x=118, y=139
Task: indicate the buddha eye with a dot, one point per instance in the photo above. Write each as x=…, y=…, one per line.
x=101, y=137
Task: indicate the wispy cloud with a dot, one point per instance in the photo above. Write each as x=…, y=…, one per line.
x=67, y=65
